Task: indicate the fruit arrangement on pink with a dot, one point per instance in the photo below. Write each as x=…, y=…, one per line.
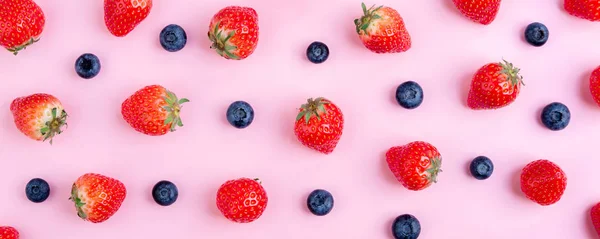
x=319, y=124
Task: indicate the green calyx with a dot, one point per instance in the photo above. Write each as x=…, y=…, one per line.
x=312, y=108
x=220, y=42
x=512, y=73
x=15, y=50
x=78, y=203
x=368, y=15
x=173, y=108
x=435, y=167
x=54, y=126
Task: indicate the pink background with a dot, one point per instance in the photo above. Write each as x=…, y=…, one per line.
x=276, y=79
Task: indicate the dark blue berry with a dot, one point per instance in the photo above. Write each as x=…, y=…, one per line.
x=37, y=190
x=87, y=66
x=556, y=116
x=317, y=52
x=165, y=193
x=409, y=95
x=320, y=202
x=481, y=167
x=537, y=34
x=240, y=114
x=173, y=38
x=406, y=227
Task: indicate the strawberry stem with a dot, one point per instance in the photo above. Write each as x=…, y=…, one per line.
x=434, y=169
x=54, y=126
x=312, y=107
x=15, y=50
x=512, y=73
x=78, y=203
x=173, y=108
x=368, y=15
x=221, y=43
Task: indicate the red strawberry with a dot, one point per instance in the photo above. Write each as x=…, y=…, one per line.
x=494, y=86
x=595, y=85
x=21, y=24
x=319, y=125
x=415, y=165
x=153, y=110
x=480, y=11
x=234, y=32
x=595, y=215
x=242, y=200
x=39, y=116
x=382, y=30
x=97, y=197
x=8, y=233
x=585, y=9
x=122, y=16
x=543, y=182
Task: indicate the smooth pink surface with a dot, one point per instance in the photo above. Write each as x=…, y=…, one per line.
x=447, y=49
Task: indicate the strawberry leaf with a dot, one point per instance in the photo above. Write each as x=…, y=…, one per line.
x=364, y=8
x=183, y=100
x=169, y=119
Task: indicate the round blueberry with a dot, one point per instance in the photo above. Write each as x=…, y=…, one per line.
x=481, y=167
x=409, y=95
x=317, y=52
x=240, y=114
x=320, y=202
x=556, y=116
x=87, y=66
x=37, y=190
x=406, y=227
x=537, y=34
x=165, y=193
x=173, y=38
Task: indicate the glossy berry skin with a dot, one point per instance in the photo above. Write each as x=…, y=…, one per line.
x=165, y=193
x=494, y=86
x=317, y=52
x=416, y=165
x=37, y=190
x=406, y=227
x=153, y=110
x=543, y=182
x=382, y=30
x=409, y=95
x=537, y=34
x=173, y=38
x=584, y=9
x=21, y=24
x=233, y=32
x=242, y=200
x=8, y=233
x=320, y=202
x=97, y=197
x=240, y=114
x=87, y=66
x=595, y=216
x=479, y=11
x=481, y=167
x=122, y=16
x=319, y=125
x=595, y=85
x=39, y=116
x=556, y=116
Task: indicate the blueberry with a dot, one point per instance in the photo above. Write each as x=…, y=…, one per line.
x=406, y=227
x=556, y=116
x=37, y=190
x=317, y=52
x=409, y=95
x=87, y=66
x=481, y=167
x=165, y=193
x=537, y=34
x=240, y=114
x=173, y=38
x=320, y=202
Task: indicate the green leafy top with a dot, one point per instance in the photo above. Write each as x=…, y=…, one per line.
x=434, y=169
x=54, y=126
x=15, y=50
x=368, y=15
x=78, y=203
x=221, y=42
x=314, y=107
x=512, y=73
x=173, y=108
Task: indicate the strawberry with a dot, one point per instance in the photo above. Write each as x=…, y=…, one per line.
x=8, y=233
x=233, y=32
x=543, y=182
x=382, y=30
x=480, y=11
x=585, y=9
x=39, y=116
x=21, y=24
x=153, y=110
x=319, y=125
x=595, y=85
x=122, y=16
x=416, y=165
x=242, y=200
x=97, y=197
x=595, y=215
x=494, y=86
